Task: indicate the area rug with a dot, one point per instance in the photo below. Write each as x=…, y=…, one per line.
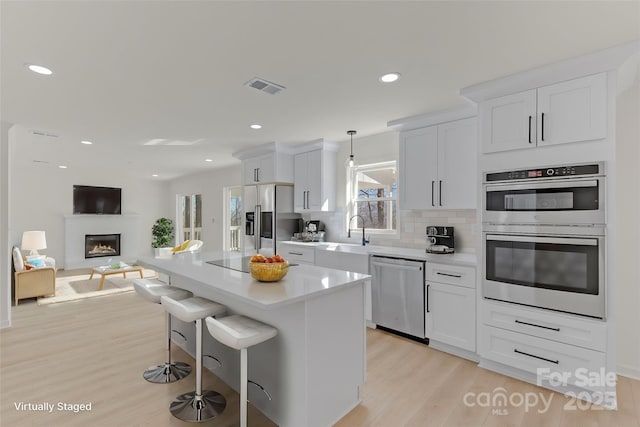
x=78, y=287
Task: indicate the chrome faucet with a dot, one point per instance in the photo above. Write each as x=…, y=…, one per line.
x=364, y=240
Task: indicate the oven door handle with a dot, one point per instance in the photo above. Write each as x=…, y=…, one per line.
x=534, y=239
x=540, y=185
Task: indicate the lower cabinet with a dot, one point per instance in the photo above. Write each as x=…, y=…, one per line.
x=450, y=308
x=298, y=254
x=358, y=263
x=450, y=315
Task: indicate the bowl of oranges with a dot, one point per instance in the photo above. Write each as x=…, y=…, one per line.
x=268, y=269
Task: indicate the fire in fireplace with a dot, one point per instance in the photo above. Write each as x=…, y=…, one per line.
x=101, y=245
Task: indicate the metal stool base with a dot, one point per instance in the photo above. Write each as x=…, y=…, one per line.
x=187, y=408
x=167, y=373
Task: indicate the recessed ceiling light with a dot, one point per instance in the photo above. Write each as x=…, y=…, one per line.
x=390, y=77
x=256, y=126
x=40, y=69
x=86, y=142
x=208, y=160
x=154, y=175
x=62, y=167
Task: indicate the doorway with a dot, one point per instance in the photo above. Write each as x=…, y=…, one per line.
x=232, y=218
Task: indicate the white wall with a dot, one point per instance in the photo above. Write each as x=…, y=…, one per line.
x=210, y=185
x=411, y=234
x=5, y=247
x=42, y=194
x=628, y=224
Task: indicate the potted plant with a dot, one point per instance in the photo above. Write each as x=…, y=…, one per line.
x=162, y=232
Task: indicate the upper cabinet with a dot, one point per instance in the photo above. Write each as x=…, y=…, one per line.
x=570, y=111
x=265, y=164
x=437, y=166
x=315, y=177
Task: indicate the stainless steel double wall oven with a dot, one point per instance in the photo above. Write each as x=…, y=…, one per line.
x=544, y=238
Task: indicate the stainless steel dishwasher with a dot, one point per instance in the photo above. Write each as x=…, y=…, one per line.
x=397, y=293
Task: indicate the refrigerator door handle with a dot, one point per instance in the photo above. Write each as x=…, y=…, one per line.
x=258, y=226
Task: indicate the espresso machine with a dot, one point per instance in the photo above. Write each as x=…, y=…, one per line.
x=440, y=240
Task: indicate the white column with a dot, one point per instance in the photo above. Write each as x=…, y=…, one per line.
x=5, y=220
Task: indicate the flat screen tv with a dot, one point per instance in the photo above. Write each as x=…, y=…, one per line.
x=96, y=200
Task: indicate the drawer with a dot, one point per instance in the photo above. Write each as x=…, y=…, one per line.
x=531, y=353
x=298, y=254
x=451, y=274
x=585, y=333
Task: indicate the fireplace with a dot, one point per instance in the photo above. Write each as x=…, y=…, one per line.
x=101, y=245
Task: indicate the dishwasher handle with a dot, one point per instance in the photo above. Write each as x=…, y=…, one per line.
x=398, y=266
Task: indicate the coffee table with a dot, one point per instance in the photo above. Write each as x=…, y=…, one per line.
x=105, y=271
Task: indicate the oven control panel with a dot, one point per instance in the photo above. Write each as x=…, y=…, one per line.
x=547, y=172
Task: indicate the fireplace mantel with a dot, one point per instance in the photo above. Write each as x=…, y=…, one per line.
x=77, y=226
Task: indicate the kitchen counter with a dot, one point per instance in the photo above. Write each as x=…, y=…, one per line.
x=314, y=367
x=464, y=259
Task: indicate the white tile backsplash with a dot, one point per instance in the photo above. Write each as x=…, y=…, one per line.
x=412, y=226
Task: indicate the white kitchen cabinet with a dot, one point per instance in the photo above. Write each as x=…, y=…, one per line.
x=315, y=181
x=358, y=263
x=569, y=111
x=418, y=168
x=508, y=122
x=296, y=253
x=273, y=167
x=438, y=166
x=259, y=169
x=450, y=315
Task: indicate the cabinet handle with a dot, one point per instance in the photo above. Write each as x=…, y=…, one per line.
x=257, y=174
x=537, y=326
x=542, y=126
x=295, y=253
x=457, y=276
x=428, y=286
x=440, y=193
x=530, y=130
x=536, y=357
x=433, y=183
x=308, y=191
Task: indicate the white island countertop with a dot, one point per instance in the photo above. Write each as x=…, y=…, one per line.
x=302, y=281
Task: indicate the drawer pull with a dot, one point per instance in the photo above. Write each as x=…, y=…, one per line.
x=457, y=276
x=295, y=253
x=537, y=326
x=536, y=357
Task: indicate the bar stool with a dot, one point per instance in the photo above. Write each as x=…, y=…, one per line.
x=240, y=332
x=197, y=405
x=152, y=290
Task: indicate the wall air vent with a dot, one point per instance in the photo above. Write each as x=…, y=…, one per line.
x=265, y=86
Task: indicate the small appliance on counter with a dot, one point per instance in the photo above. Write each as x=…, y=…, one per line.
x=440, y=240
x=312, y=231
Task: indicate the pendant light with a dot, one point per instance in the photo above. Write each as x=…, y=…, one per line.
x=351, y=161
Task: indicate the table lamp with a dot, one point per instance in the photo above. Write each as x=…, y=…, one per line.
x=34, y=240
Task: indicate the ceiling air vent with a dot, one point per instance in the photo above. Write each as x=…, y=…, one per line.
x=43, y=133
x=265, y=86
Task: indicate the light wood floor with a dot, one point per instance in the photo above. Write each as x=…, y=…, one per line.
x=95, y=350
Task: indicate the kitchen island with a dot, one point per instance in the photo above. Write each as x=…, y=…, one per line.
x=315, y=365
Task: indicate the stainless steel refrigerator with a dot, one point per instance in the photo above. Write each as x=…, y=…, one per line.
x=269, y=217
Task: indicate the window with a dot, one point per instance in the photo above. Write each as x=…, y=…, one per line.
x=373, y=196
x=232, y=218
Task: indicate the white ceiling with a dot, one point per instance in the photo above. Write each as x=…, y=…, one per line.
x=129, y=72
